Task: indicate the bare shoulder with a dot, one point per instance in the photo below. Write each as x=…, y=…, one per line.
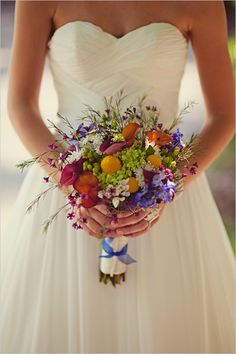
x=36, y=9
x=34, y=13
x=34, y=20
x=205, y=14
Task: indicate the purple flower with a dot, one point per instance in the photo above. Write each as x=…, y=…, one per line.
x=158, y=179
x=177, y=135
x=193, y=170
x=141, y=198
x=65, y=136
x=52, y=147
x=71, y=215
x=105, y=144
x=111, y=190
x=76, y=226
x=167, y=192
x=46, y=179
x=72, y=200
x=148, y=176
x=176, y=142
x=64, y=155
x=82, y=130
x=51, y=162
x=72, y=148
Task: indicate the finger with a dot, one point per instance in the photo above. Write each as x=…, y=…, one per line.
x=93, y=226
x=103, y=209
x=130, y=220
x=89, y=231
x=140, y=233
x=86, y=213
x=154, y=221
x=142, y=225
x=151, y=223
x=98, y=217
x=124, y=214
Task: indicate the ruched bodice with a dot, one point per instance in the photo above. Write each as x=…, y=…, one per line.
x=88, y=63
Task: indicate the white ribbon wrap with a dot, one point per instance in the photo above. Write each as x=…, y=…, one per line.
x=113, y=265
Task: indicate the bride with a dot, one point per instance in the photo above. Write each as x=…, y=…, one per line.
x=180, y=295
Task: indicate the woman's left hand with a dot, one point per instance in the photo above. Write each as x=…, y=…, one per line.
x=135, y=225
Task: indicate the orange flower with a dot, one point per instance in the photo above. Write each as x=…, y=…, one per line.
x=87, y=185
x=158, y=137
x=129, y=132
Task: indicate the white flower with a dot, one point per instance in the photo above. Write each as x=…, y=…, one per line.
x=116, y=193
x=153, y=145
x=116, y=201
x=140, y=177
x=75, y=155
x=93, y=141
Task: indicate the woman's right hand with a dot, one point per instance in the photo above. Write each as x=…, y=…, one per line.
x=98, y=222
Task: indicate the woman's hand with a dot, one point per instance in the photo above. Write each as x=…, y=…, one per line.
x=94, y=220
x=136, y=225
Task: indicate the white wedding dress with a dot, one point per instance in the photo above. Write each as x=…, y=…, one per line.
x=179, y=297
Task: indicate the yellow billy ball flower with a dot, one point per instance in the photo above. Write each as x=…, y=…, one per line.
x=133, y=185
x=110, y=164
x=154, y=160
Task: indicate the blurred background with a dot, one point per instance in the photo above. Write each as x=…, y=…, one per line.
x=220, y=175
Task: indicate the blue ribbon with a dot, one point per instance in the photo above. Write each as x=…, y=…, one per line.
x=121, y=255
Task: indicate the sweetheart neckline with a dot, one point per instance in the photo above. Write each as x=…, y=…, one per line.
x=118, y=39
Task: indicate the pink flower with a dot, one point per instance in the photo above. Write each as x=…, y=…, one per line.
x=71, y=172
x=115, y=148
x=105, y=144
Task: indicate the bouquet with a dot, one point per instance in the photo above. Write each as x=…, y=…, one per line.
x=123, y=159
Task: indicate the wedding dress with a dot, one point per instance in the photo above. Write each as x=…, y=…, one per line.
x=179, y=297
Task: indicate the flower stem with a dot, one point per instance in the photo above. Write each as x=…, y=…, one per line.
x=115, y=279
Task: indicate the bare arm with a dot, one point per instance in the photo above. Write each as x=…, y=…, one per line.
x=209, y=42
x=32, y=27
x=210, y=48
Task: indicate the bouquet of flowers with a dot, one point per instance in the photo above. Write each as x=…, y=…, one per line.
x=123, y=159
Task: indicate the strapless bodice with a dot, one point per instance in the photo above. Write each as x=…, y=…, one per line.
x=88, y=63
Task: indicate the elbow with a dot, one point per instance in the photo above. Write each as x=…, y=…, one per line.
x=224, y=121
x=18, y=107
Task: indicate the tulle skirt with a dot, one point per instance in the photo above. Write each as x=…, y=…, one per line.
x=179, y=297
